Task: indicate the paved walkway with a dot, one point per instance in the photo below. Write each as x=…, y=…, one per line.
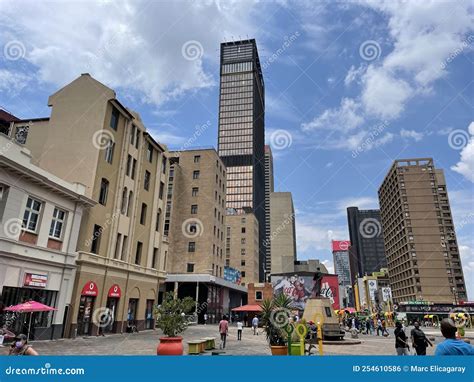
x=145, y=343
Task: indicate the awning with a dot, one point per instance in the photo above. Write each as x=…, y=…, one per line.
x=248, y=308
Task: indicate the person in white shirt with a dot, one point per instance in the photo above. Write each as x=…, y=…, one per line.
x=240, y=327
x=255, y=325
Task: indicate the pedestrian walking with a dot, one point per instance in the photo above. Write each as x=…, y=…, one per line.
x=223, y=330
x=401, y=340
x=21, y=347
x=419, y=340
x=205, y=318
x=240, y=327
x=384, y=328
x=255, y=325
x=379, y=326
x=451, y=345
x=367, y=326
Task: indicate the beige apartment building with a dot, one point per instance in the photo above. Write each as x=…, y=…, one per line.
x=92, y=139
x=241, y=250
x=195, y=223
x=419, y=236
x=283, y=235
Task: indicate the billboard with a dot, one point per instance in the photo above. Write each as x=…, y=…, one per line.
x=340, y=245
x=301, y=287
x=233, y=275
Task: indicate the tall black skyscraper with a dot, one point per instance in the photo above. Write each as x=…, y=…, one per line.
x=241, y=132
x=367, y=253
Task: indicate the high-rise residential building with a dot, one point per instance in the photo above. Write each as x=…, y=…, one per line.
x=92, y=139
x=283, y=235
x=269, y=188
x=242, y=246
x=40, y=217
x=367, y=252
x=195, y=224
x=419, y=235
x=340, y=253
x=241, y=132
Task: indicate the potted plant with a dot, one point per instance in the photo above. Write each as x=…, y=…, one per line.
x=171, y=319
x=275, y=316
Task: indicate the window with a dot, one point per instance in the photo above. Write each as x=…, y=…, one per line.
x=162, y=189
x=194, y=209
x=114, y=118
x=154, y=258
x=243, y=220
x=31, y=215
x=243, y=229
x=134, y=166
x=258, y=295
x=157, y=224
x=104, y=190
x=143, y=214
x=96, y=233
x=117, y=246
x=195, y=191
x=129, y=164
x=242, y=240
x=192, y=246
x=132, y=134
x=243, y=273
x=130, y=202
x=124, y=248
x=242, y=251
x=138, y=253
x=149, y=153
x=146, y=181
x=242, y=263
x=196, y=174
x=57, y=223
x=197, y=158
x=328, y=311
x=109, y=151
x=123, y=208
x=190, y=268
x=137, y=139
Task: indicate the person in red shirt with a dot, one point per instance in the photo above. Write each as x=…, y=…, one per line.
x=223, y=329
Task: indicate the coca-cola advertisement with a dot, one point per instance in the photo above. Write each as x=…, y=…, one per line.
x=300, y=288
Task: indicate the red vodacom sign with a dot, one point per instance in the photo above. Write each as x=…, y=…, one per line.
x=90, y=289
x=115, y=291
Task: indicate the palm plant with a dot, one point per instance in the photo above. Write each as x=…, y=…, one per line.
x=275, y=316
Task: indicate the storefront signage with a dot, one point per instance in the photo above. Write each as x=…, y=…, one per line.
x=90, y=289
x=115, y=291
x=35, y=280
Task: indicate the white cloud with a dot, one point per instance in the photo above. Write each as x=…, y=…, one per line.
x=465, y=166
x=411, y=134
x=354, y=73
x=329, y=265
x=363, y=202
x=467, y=262
x=136, y=45
x=12, y=82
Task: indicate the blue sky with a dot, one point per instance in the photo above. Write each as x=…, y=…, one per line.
x=349, y=88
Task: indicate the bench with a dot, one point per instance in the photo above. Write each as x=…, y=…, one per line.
x=196, y=347
x=210, y=343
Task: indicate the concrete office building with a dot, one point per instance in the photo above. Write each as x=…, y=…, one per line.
x=367, y=252
x=92, y=139
x=242, y=246
x=40, y=217
x=241, y=132
x=283, y=235
x=269, y=188
x=419, y=235
x=195, y=224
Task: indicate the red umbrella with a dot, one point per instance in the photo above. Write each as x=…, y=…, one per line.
x=30, y=307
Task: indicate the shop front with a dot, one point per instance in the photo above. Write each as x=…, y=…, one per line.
x=85, y=325
x=112, y=305
x=149, y=320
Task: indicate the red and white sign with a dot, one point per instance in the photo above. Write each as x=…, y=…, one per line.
x=340, y=245
x=330, y=289
x=90, y=289
x=35, y=280
x=115, y=291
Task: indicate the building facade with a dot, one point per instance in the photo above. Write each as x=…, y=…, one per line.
x=92, y=139
x=195, y=224
x=269, y=188
x=241, y=132
x=241, y=250
x=340, y=254
x=40, y=218
x=367, y=252
x=419, y=235
x=283, y=235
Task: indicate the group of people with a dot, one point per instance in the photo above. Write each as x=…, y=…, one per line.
x=419, y=342
x=224, y=329
x=366, y=326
